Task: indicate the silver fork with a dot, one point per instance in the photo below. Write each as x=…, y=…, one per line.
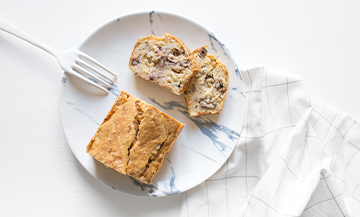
x=71, y=61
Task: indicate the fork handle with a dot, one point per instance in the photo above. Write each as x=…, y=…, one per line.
x=15, y=32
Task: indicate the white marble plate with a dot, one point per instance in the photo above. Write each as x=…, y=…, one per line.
x=206, y=141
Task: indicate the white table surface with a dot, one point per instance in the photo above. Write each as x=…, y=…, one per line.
x=39, y=175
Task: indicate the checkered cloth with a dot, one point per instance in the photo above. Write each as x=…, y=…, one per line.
x=295, y=157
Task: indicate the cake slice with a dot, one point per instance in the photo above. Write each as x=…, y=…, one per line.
x=134, y=138
x=208, y=91
x=165, y=61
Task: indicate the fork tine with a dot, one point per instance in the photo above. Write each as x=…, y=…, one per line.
x=80, y=69
x=89, y=58
x=76, y=74
x=89, y=67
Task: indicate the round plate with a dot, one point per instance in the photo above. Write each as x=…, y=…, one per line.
x=205, y=143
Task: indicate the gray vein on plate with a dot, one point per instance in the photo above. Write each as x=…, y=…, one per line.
x=224, y=48
x=154, y=191
x=206, y=126
x=170, y=105
x=243, y=94
x=199, y=153
x=147, y=188
x=151, y=21
x=235, y=88
x=150, y=16
x=159, y=17
x=238, y=91
x=71, y=103
x=114, y=90
x=63, y=81
x=77, y=109
x=173, y=188
x=94, y=80
x=236, y=102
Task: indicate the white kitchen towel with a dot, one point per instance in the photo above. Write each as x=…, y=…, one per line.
x=295, y=157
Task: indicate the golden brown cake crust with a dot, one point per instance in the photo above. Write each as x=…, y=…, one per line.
x=134, y=138
x=166, y=61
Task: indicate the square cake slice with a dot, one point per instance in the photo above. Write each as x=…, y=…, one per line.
x=134, y=138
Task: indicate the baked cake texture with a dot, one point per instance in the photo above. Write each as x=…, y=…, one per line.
x=166, y=61
x=134, y=138
x=208, y=91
